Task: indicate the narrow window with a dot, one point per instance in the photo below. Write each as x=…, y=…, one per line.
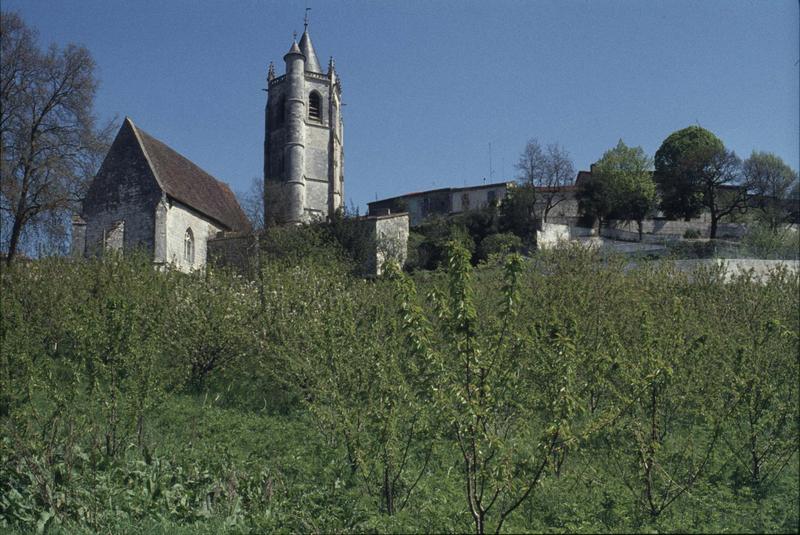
x=315, y=106
x=188, y=247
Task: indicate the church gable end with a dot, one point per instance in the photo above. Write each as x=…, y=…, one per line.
x=147, y=195
x=124, y=190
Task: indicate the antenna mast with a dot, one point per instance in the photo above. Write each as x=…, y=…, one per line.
x=491, y=171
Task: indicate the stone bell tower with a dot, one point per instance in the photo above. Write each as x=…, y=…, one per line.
x=303, y=145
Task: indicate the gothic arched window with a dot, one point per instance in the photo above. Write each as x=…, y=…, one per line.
x=188, y=246
x=315, y=106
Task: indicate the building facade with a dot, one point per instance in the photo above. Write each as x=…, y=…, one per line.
x=148, y=197
x=444, y=201
x=303, y=141
x=561, y=202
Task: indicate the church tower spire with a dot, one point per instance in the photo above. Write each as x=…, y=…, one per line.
x=303, y=148
x=312, y=63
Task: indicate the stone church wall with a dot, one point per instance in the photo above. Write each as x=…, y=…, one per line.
x=123, y=190
x=316, y=156
x=179, y=219
x=316, y=199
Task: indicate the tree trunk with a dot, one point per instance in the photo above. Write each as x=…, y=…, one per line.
x=388, y=491
x=714, y=224
x=16, y=230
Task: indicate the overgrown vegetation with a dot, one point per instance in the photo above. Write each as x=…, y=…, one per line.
x=555, y=393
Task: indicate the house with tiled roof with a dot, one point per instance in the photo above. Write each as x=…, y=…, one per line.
x=147, y=196
x=422, y=205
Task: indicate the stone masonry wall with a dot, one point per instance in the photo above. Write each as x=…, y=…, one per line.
x=391, y=241
x=180, y=218
x=124, y=189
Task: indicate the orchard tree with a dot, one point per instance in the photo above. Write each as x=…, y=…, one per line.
x=621, y=186
x=770, y=180
x=502, y=395
x=695, y=172
x=50, y=146
x=547, y=171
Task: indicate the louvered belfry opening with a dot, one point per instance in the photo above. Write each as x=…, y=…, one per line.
x=315, y=106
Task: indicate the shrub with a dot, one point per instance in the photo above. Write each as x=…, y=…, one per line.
x=502, y=244
x=691, y=234
x=762, y=242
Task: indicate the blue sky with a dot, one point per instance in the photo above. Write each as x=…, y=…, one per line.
x=429, y=85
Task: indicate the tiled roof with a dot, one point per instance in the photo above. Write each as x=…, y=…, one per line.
x=186, y=182
x=445, y=190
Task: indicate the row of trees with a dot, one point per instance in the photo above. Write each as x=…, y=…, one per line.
x=693, y=172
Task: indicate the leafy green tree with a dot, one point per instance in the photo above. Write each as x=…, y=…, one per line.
x=621, y=186
x=438, y=232
x=214, y=324
x=763, y=349
x=518, y=213
x=694, y=171
x=503, y=397
x=679, y=168
x=670, y=395
x=502, y=243
x=364, y=385
x=770, y=181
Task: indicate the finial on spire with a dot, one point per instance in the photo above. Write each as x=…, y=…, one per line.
x=307, y=18
x=271, y=71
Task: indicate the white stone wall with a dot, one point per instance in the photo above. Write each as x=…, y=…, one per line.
x=316, y=199
x=179, y=218
x=316, y=157
x=552, y=235
x=391, y=240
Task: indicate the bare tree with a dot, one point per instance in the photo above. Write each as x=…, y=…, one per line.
x=252, y=202
x=548, y=170
x=531, y=164
x=559, y=173
x=50, y=146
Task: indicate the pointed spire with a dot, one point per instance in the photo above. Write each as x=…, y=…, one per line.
x=295, y=49
x=271, y=72
x=312, y=63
